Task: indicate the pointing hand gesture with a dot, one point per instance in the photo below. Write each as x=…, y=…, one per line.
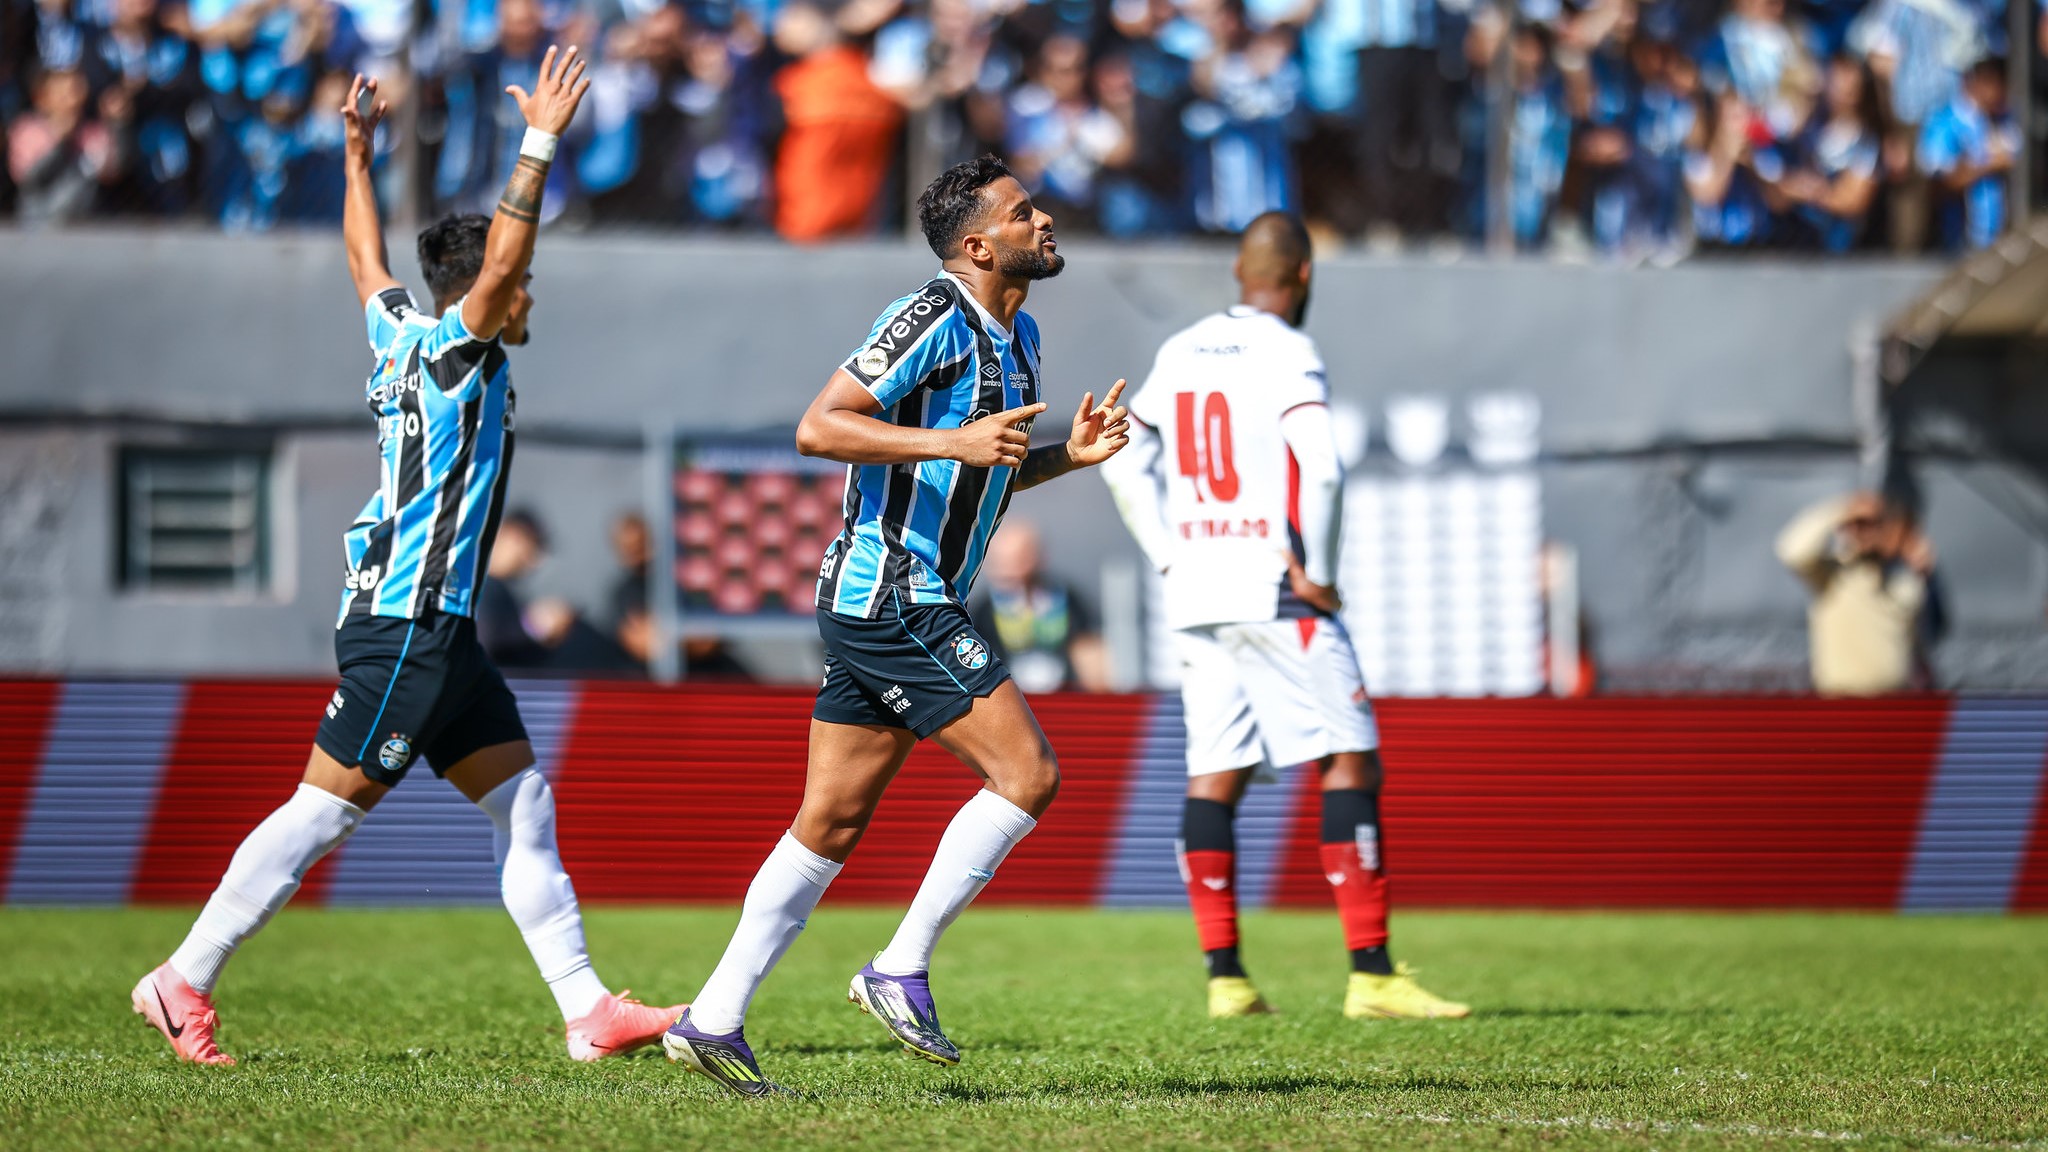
x=1100, y=430
x=555, y=95
x=996, y=441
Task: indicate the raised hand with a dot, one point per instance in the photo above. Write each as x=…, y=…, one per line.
x=996, y=441
x=361, y=134
x=556, y=94
x=1100, y=430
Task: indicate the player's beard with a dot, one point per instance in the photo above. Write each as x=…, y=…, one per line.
x=1032, y=263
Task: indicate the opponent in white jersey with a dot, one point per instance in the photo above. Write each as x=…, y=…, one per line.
x=1233, y=487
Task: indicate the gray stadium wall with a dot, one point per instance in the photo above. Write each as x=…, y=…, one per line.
x=1687, y=413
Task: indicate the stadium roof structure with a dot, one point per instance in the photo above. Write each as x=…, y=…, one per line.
x=1998, y=293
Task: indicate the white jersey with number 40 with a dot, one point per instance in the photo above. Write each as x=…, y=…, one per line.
x=1226, y=480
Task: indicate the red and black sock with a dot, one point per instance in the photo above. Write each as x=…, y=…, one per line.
x=1351, y=863
x=1208, y=866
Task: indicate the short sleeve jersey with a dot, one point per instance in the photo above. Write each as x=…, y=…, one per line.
x=1215, y=396
x=918, y=531
x=445, y=416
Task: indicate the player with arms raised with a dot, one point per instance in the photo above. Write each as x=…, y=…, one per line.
x=1233, y=488
x=933, y=415
x=414, y=679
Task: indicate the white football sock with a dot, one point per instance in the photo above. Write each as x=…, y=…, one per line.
x=264, y=873
x=779, y=902
x=537, y=890
x=981, y=834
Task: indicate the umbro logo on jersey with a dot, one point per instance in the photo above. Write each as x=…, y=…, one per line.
x=991, y=371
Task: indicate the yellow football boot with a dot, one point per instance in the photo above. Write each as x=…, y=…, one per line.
x=1234, y=996
x=1396, y=997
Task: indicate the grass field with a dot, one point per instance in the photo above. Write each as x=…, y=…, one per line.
x=429, y=1030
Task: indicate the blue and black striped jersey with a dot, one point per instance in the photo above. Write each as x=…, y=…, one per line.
x=935, y=359
x=444, y=407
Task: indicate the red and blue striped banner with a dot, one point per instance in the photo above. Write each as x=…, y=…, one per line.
x=138, y=792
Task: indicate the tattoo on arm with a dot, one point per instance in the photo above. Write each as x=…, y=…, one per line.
x=521, y=200
x=1042, y=464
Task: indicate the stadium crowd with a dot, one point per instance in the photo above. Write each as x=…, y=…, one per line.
x=1637, y=130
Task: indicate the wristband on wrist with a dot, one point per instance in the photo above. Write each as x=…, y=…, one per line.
x=539, y=145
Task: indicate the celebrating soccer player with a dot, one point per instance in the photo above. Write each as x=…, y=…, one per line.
x=1233, y=488
x=414, y=680
x=933, y=413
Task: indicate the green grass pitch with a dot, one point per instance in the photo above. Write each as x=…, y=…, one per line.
x=430, y=1030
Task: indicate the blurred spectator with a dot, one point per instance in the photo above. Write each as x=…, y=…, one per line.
x=710, y=658
x=1631, y=102
x=1060, y=139
x=1134, y=118
x=1042, y=629
x=1968, y=146
x=545, y=632
x=58, y=155
x=1241, y=127
x=1917, y=50
x=481, y=143
x=632, y=624
x=516, y=635
x=1405, y=116
x=841, y=133
x=1877, y=607
x=1728, y=206
x=1757, y=56
x=1147, y=88
x=147, y=77
x=1831, y=166
x=1539, y=144
x=948, y=67
x=686, y=140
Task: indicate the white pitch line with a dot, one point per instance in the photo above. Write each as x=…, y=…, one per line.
x=1671, y=1127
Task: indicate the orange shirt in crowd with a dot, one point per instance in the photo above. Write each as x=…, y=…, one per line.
x=836, y=152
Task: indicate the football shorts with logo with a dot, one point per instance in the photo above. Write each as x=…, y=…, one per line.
x=916, y=666
x=1271, y=693
x=412, y=688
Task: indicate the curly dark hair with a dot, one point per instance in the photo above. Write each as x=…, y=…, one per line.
x=952, y=204
x=452, y=254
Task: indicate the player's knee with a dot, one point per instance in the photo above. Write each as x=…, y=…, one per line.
x=1032, y=783
x=1353, y=770
x=832, y=828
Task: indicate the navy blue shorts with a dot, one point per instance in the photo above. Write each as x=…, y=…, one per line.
x=920, y=666
x=411, y=688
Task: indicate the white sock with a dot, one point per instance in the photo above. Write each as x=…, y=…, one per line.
x=537, y=891
x=779, y=902
x=264, y=873
x=981, y=834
